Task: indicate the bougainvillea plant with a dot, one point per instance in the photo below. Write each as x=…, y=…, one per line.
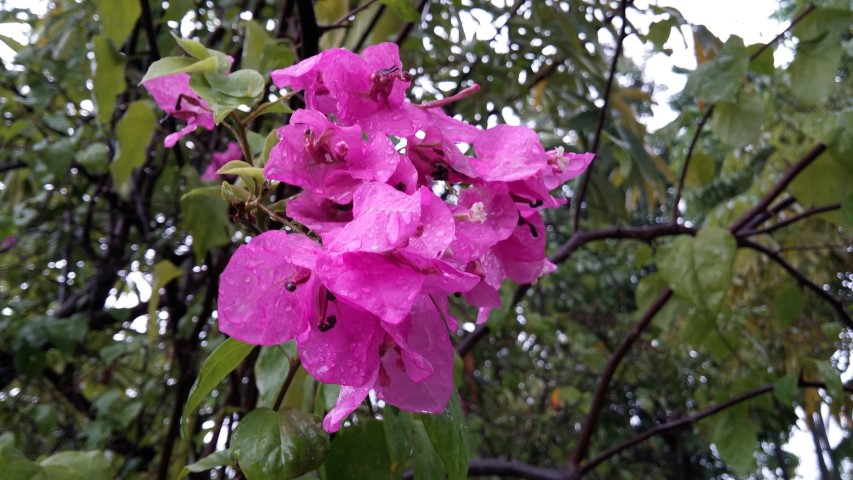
x=400, y=207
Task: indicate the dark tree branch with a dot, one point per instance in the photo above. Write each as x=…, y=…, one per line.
x=295, y=364
x=12, y=166
x=770, y=213
x=148, y=25
x=784, y=223
x=406, y=29
x=577, y=200
x=677, y=197
x=607, y=375
x=340, y=22
x=310, y=32
x=777, y=189
x=800, y=277
x=366, y=33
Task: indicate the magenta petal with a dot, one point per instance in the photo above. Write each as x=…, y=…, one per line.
x=383, y=218
x=427, y=339
x=523, y=254
x=349, y=399
x=506, y=153
x=318, y=213
x=347, y=352
x=255, y=303
x=435, y=230
x=377, y=283
x=175, y=97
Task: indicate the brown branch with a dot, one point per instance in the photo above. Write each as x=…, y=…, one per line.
x=5, y=167
x=148, y=25
x=800, y=278
x=795, y=218
x=339, y=22
x=367, y=31
x=770, y=213
x=291, y=373
x=809, y=8
x=607, y=375
x=577, y=200
x=826, y=246
x=777, y=189
x=407, y=27
x=677, y=198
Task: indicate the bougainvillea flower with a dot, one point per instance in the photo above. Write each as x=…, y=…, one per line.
x=218, y=159
x=414, y=370
x=484, y=216
x=318, y=213
x=264, y=284
x=328, y=159
x=506, y=153
x=522, y=255
x=342, y=83
x=383, y=218
x=175, y=97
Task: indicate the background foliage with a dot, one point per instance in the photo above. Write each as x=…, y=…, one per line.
x=701, y=299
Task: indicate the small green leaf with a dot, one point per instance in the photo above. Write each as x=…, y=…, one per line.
x=108, y=80
x=72, y=465
x=357, y=452
x=738, y=124
x=789, y=302
x=719, y=79
x=235, y=193
x=271, y=369
x=701, y=169
x=448, y=434
x=785, y=389
x=118, y=18
x=164, y=272
x=832, y=379
x=280, y=445
x=403, y=9
x=735, y=438
x=270, y=142
x=428, y=465
x=193, y=48
x=134, y=132
x=206, y=218
x=398, y=438
x=172, y=65
x=95, y=158
x=220, y=363
x=16, y=466
x=215, y=459
x=239, y=167
x=700, y=269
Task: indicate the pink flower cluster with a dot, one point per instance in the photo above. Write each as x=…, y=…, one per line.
x=410, y=206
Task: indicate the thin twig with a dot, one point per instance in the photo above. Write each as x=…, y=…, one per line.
x=613, y=362
x=800, y=277
x=683, y=176
x=577, y=200
x=777, y=189
x=784, y=223
x=295, y=364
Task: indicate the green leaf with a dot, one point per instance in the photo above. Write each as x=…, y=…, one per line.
x=700, y=268
x=118, y=18
x=832, y=378
x=193, y=48
x=134, y=132
x=357, y=452
x=428, y=465
x=271, y=369
x=403, y=9
x=269, y=143
x=764, y=63
x=172, y=65
x=785, y=389
x=659, y=32
x=739, y=123
x=164, y=272
x=108, y=80
x=827, y=180
x=95, y=158
x=789, y=302
x=206, y=218
x=15, y=466
x=701, y=169
x=239, y=167
x=735, y=438
x=719, y=79
x=77, y=466
x=215, y=459
x=220, y=363
x=280, y=445
x=264, y=53
x=448, y=434
x=814, y=69
x=847, y=210
x=398, y=438
x=835, y=129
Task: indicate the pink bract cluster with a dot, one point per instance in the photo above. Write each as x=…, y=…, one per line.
x=411, y=206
